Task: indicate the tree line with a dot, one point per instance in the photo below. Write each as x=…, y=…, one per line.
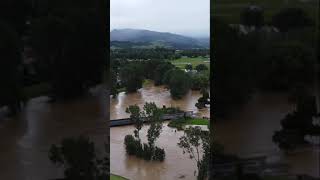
x=131, y=74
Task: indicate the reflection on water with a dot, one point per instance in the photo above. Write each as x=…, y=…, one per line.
x=252, y=131
x=26, y=138
x=175, y=166
x=158, y=94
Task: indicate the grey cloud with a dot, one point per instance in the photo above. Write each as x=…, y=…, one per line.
x=188, y=17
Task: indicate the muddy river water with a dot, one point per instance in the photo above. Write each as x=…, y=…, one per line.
x=246, y=133
x=176, y=165
x=26, y=138
x=158, y=94
x=249, y=133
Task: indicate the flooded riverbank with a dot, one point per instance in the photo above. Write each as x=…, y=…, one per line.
x=158, y=94
x=26, y=138
x=249, y=133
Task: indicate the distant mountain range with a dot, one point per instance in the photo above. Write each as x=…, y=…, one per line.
x=138, y=38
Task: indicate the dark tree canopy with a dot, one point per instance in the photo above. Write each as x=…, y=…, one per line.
x=179, y=83
x=291, y=18
x=131, y=77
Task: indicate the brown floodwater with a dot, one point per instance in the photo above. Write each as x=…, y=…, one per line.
x=158, y=94
x=249, y=133
x=26, y=138
x=175, y=166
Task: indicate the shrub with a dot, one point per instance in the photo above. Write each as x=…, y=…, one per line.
x=147, y=152
x=159, y=154
x=131, y=144
x=144, y=151
x=171, y=110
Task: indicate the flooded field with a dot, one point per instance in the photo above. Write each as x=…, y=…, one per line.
x=158, y=94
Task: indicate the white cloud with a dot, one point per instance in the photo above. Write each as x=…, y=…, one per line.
x=189, y=17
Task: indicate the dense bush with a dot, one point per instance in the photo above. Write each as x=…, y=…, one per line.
x=203, y=101
x=159, y=154
x=200, y=80
x=132, y=145
x=171, y=110
x=145, y=151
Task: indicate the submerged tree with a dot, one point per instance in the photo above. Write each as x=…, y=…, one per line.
x=153, y=116
x=136, y=118
x=195, y=142
x=203, y=101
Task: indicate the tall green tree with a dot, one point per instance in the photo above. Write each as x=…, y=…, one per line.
x=195, y=142
x=179, y=83
x=131, y=77
x=136, y=118
x=154, y=117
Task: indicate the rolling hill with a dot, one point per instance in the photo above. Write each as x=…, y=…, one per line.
x=136, y=38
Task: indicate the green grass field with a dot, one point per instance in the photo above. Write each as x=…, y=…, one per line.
x=181, y=63
x=180, y=123
x=197, y=122
x=115, y=177
x=230, y=10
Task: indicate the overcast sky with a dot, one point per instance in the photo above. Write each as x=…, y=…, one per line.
x=187, y=17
